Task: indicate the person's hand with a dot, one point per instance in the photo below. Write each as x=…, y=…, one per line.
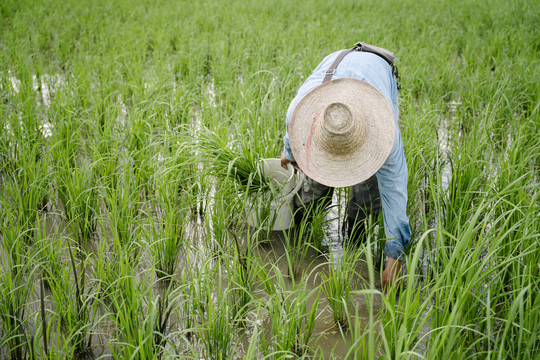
x=284, y=162
x=391, y=273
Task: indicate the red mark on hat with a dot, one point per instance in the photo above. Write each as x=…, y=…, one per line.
x=310, y=135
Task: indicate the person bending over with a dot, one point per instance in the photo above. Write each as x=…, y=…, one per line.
x=342, y=130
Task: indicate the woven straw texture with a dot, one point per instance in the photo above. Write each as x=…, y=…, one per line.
x=342, y=132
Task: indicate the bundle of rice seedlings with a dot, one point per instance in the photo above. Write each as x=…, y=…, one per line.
x=225, y=162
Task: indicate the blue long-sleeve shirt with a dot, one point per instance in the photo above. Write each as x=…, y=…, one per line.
x=392, y=176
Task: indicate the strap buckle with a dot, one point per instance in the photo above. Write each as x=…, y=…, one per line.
x=395, y=72
x=358, y=46
x=330, y=71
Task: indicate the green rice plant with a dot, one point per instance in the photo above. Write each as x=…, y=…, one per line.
x=125, y=298
x=123, y=207
x=208, y=317
x=305, y=237
x=292, y=316
x=25, y=190
x=252, y=352
x=174, y=167
x=139, y=142
x=8, y=143
x=166, y=241
x=364, y=344
x=169, y=215
x=21, y=118
x=105, y=158
x=244, y=269
x=160, y=323
x=401, y=327
x=314, y=220
x=365, y=341
x=222, y=221
x=217, y=330
x=78, y=193
x=74, y=306
x=141, y=160
x=65, y=141
x=339, y=283
x=105, y=265
x=16, y=290
x=192, y=299
x=318, y=226
x=49, y=252
x=141, y=319
x=296, y=250
x=460, y=315
x=14, y=241
x=49, y=342
x=149, y=339
x=257, y=211
x=489, y=308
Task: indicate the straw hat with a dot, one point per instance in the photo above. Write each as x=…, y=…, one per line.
x=342, y=132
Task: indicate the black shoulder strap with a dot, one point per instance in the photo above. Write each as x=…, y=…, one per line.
x=388, y=56
x=332, y=69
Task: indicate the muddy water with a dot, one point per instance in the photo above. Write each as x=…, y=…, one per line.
x=327, y=335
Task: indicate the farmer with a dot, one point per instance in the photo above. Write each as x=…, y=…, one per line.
x=342, y=130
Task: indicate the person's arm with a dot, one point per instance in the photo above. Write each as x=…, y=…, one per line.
x=392, y=179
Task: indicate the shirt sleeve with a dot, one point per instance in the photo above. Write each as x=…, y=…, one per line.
x=287, y=148
x=392, y=179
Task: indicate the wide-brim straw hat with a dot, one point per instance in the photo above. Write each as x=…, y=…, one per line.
x=342, y=132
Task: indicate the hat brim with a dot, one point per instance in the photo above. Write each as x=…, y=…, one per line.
x=372, y=153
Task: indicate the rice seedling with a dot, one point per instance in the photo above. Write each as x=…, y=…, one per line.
x=105, y=266
x=223, y=220
x=74, y=306
x=65, y=140
x=365, y=341
x=13, y=242
x=105, y=159
x=243, y=272
x=25, y=191
x=296, y=250
x=292, y=317
x=136, y=323
x=217, y=331
x=192, y=299
x=78, y=193
x=123, y=202
x=166, y=241
x=140, y=156
x=48, y=251
x=170, y=209
x=306, y=236
x=143, y=323
x=48, y=342
x=16, y=289
x=340, y=282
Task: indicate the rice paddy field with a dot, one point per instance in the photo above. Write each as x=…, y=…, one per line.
x=130, y=138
